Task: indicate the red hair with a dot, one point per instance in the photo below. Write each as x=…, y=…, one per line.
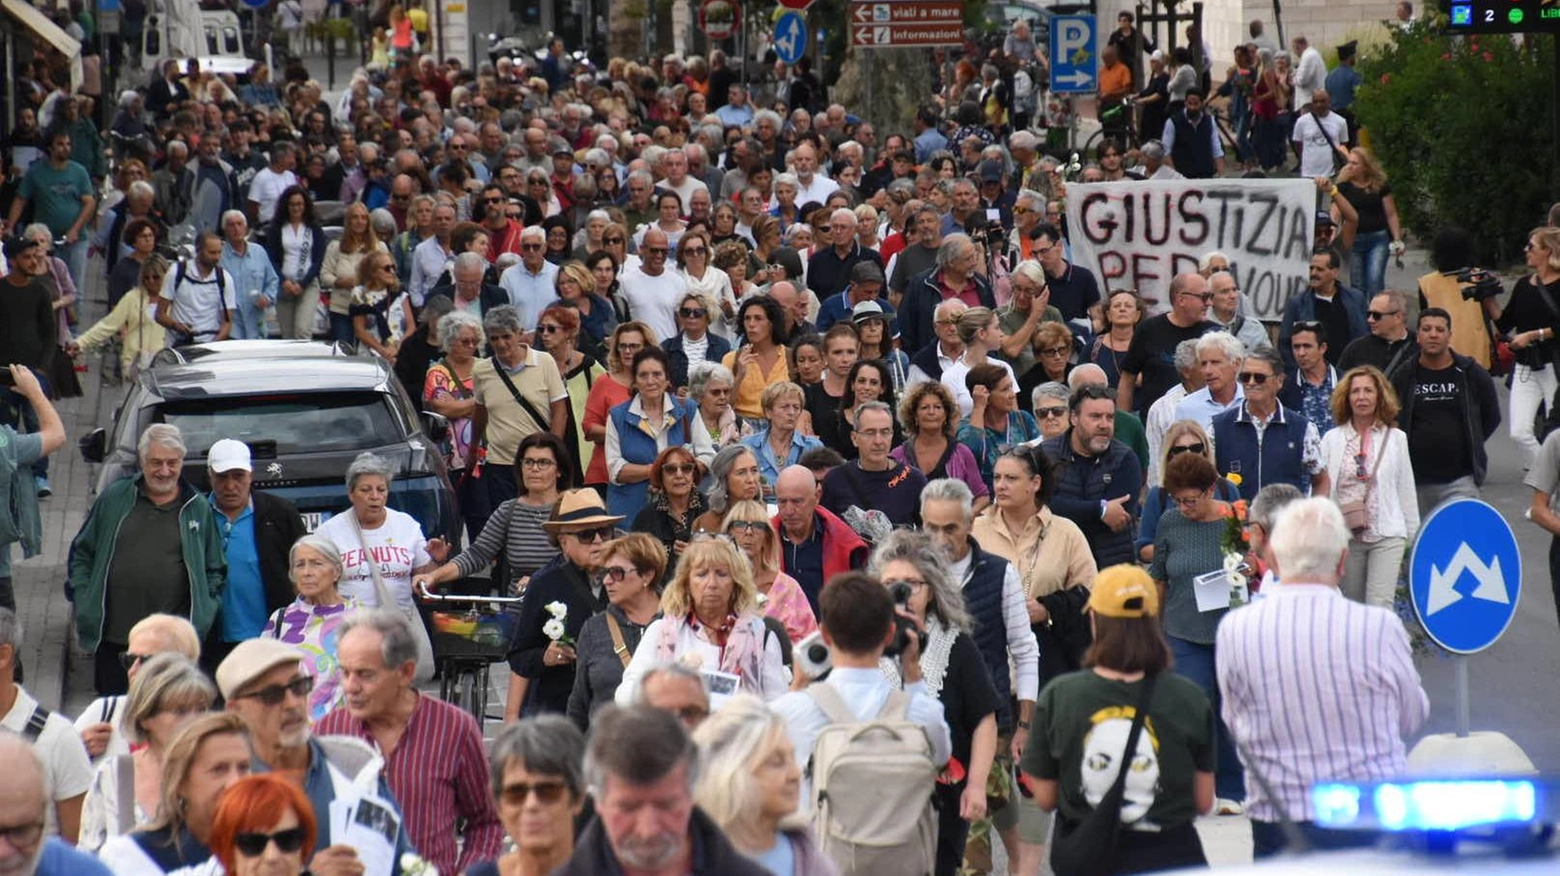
x=253, y=805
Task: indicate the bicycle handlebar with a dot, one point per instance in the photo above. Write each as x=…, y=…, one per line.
x=484, y=600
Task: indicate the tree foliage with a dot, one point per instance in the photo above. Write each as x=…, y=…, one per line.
x=1462, y=126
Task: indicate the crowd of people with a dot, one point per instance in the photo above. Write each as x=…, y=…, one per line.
x=771, y=424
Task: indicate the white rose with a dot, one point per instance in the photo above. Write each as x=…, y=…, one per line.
x=1232, y=562
x=553, y=629
x=557, y=609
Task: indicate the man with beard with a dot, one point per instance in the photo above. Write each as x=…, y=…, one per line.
x=28, y=852
x=1192, y=140
x=1097, y=479
x=212, y=192
x=198, y=297
x=264, y=681
x=640, y=766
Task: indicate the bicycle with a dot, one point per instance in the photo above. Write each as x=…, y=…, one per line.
x=466, y=643
x=1116, y=123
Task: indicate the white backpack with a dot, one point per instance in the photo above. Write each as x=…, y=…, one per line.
x=872, y=784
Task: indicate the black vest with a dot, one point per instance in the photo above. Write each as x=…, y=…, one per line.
x=983, y=599
x=1193, y=150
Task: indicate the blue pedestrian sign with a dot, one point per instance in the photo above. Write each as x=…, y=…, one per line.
x=1465, y=576
x=1074, y=61
x=790, y=37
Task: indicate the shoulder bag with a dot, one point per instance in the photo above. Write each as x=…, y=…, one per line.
x=1332, y=145
x=618, y=646
x=542, y=423
x=1551, y=419
x=387, y=601
x=1088, y=847
x=1356, y=514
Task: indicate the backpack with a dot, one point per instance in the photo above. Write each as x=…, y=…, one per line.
x=856, y=766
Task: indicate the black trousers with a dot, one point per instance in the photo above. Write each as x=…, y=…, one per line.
x=952, y=831
x=1554, y=569
x=108, y=675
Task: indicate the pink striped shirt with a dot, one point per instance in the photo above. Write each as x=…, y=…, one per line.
x=439, y=775
x=1316, y=688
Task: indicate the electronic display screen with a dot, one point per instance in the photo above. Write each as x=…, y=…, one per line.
x=1502, y=16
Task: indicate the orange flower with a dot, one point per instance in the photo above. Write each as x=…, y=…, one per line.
x=1226, y=511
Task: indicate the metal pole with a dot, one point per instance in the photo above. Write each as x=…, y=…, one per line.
x=1461, y=665
x=1554, y=121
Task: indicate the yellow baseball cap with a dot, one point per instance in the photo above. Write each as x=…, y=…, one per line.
x=1124, y=591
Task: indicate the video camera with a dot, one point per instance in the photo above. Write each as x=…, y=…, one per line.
x=811, y=655
x=1478, y=284
x=903, y=627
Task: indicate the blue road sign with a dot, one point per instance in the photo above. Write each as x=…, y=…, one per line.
x=790, y=37
x=1465, y=576
x=1074, y=61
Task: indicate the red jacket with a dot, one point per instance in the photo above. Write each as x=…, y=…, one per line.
x=840, y=544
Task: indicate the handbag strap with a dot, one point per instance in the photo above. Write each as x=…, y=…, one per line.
x=124, y=775
x=542, y=423
x=618, y=647
x=381, y=592
x=1136, y=731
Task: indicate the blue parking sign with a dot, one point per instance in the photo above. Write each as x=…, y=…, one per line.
x=1074, y=59
x=1465, y=576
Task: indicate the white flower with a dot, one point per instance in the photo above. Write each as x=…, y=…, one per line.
x=763, y=600
x=692, y=660
x=557, y=610
x=1237, y=580
x=1232, y=562
x=412, y=865
x=553, y=629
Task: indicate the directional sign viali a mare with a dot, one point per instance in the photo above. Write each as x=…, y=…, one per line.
x=901, y=23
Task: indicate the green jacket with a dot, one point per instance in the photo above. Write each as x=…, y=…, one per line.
x=92, y=554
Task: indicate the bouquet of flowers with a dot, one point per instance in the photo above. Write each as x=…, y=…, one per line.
x=554, y=628
x=412, y=865
x=1236, y=546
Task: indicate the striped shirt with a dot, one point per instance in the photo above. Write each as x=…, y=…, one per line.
x=439, y=775
x=1316, y=688
x=516, y=529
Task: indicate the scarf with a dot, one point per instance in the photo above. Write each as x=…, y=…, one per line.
x=741, y=654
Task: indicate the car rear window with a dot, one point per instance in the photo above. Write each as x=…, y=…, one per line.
x=302, y=423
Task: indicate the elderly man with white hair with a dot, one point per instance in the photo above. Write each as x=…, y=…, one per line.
x=150, y=544
x=1162, y=412
x=256, y=283
x=1320, y=713
x=1219, y=356
x=532, y=284
x=828, y=271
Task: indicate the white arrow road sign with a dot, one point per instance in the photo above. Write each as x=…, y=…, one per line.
x=1076, y=77
x=1492, y=584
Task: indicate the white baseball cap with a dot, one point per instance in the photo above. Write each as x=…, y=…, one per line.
x=227, y=455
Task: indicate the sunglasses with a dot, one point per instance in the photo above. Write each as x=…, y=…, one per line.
x=531, y=247
x=549, y=329
x=695, y=250
x=547, y=793
x=1374, y=315
x=587, y=536
x=1198, y=448
x=129, y=659
x=678, y=468
x=252, y=845
x=749, y=525
x=1054, y=351
x=614, y=241
x=655, y=250
x=1046, y=413
x=1255, y=378
x=1205, y=296
x=693, y=313
x=615, y=573
x=1021, y=211
x=273, y=695
x=1359, y=467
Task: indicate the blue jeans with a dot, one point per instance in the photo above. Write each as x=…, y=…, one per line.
x=75, y=257
x=1368, y=271
x=1195, y=663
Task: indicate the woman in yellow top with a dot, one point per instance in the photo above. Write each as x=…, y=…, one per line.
x=1050, y=552
x=133, y=319
x=760, y=359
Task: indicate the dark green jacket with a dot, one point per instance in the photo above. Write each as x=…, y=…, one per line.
x=92, y=554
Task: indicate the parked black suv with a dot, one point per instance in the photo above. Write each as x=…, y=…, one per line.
x=305, y=408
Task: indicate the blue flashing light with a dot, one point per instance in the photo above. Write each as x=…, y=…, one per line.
x=1440, y=805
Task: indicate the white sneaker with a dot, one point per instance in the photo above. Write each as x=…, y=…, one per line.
x=1228, y=807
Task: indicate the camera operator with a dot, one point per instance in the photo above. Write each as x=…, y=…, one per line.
x=1529, y=322
x=1451, y=251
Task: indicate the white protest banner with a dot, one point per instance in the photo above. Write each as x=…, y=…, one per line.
x=1139, y=235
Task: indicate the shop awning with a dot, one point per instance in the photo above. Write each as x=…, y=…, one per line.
x=51, y=33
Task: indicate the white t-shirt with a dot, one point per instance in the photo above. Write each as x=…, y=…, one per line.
x=198, y=301
x=398, y=547
x=266, y=189
x=821, y=187
x=653, y=300
x=686, y=190
x=1315, y=152
x=953, y=378
x=66, y=771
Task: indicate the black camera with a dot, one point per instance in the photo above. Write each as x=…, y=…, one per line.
x=904, y=628
x=1478, y=284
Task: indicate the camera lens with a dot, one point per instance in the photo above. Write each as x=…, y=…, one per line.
x=900, y=592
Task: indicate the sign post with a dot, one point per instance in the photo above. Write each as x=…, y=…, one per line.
x=1465, y=582
x=790, y=37
x=902, y=23
x=1074, y=55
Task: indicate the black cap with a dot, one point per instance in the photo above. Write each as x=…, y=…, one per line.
x=1348, y=49
x=15, y=246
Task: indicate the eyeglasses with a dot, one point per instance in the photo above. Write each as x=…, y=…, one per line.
x=655, y=250
x=693, y=313
x=749, y=525
x=587, y=536
x=535, y=463
x=616, y=573
x=547, y=793
x=1359, y=467
x=1054, y=351
x=1185, y=502
x=912, y=583
x=252, y=845
x=530, y=247
x=1198, y=448
x=273, y=695
x=129, y=659
x=22, y=835
x=1374, y=315
x=549, y=329
x=612, y=241
x=1255, y=378
x=695, y=250
x=1047, y=413
x=1205, y=296
x=678, y=468
x=1021, y=210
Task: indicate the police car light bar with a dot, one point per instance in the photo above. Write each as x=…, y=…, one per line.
x=1431, y=805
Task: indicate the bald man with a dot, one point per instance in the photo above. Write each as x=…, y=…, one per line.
x=795, y=303
x=1129, y=427
x=815, y=544
x=24, y=800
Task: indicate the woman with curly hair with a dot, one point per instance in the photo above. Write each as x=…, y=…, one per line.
x=928, y=416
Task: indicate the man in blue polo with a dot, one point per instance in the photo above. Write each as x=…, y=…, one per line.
x=866, y=284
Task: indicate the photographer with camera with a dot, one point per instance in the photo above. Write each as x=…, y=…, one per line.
x=1529, y=322
x=849, y=775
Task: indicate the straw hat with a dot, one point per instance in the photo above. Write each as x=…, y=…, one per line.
x=580, y=508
